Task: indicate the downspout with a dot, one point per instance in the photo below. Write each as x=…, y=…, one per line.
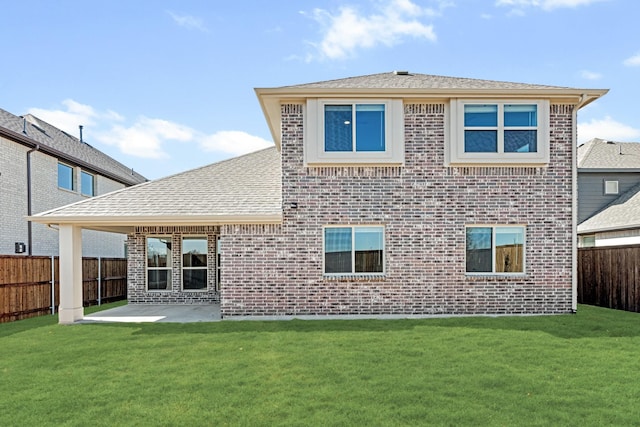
x=29, y=206
x=574, y=204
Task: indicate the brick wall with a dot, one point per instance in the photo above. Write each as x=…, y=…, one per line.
x=137, y=273
x=45, y=195
x=424, y=207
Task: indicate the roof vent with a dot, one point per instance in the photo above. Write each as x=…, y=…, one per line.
x=401, y=73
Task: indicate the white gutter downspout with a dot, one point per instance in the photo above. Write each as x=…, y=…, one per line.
x=574, y=205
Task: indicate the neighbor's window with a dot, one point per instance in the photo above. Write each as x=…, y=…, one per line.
x=159, y=263
x=351, y=250
x=367, y=131
x=194, y=263
x=87, y=184
x=495, y=249
x=354, y=127
x=499, y=132
x=611, y=187
x=65, y=177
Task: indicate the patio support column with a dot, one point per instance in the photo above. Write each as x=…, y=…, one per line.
x=70, y=309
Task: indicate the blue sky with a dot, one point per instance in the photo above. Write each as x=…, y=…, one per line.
x=165, y=86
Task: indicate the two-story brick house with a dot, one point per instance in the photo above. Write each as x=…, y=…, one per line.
x=42, y=167
x=393, y=193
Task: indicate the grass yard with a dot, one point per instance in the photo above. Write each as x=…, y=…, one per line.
x=579, y=369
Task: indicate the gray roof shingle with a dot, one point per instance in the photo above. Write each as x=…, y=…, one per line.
x=48, y=136
x=245, y=186
x=622, y=213
x=395, y=80
x=600, y=154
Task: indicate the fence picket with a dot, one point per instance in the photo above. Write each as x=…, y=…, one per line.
x=26, y=284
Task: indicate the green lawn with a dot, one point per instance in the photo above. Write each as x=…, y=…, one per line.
x=579, y=369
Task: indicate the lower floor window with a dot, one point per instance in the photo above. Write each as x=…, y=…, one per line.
x=495, y=249
x=194, y=263
x=350, y=250
x=159, y=263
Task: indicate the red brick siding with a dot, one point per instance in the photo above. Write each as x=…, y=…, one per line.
x=424, y=207
x=137, y=285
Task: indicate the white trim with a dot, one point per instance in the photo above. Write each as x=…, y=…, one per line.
x=493, y=250
x=455, y=152
x=314, y=154
x=353, y=273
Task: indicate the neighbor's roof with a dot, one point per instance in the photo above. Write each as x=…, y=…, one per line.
x=245, y=189
x=623, y=213
x=599, y=154
x=30, y=130
x=407, y=85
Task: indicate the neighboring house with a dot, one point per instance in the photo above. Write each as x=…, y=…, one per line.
x=608, y=193
x=393, y=193
x=41, y=168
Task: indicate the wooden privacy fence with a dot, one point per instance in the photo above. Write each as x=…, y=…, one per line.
x=29, y=285
x=610, y=277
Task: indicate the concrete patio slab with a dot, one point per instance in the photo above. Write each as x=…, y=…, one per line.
x=143, y=313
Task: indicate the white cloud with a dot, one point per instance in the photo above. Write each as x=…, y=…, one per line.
x=633, y=61
x=68, y=120
x=544, y=4
x=607, y=128
x=233, y=142
x=590, y=75
x=348, y=30
x=146, y=137
x=189, y=22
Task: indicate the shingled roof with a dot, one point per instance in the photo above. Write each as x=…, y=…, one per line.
x=605, y=155
x=31, y=130
x=622, y=213
x=406, y=85
x=245, y=189
x=406, y=80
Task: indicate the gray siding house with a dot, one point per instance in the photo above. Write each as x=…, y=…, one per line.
x=41, y=168
x=608, y=186
x=387, y=194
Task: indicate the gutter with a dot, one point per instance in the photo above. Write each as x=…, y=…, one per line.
x=22, y=139
x=29, y=204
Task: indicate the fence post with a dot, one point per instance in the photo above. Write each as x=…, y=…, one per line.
x=53, y=284
x=99, y=281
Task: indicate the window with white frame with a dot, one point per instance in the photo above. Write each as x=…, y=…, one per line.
x=611, y=187
x=513, y=132
x=194, y=263
x=65, y=177
x=87, y=184
x=358, y=132
x=353, y=250
x=159, y=263
x=495, y=249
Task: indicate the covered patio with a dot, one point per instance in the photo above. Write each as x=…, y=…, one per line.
x=157, y=313
x=239, y=191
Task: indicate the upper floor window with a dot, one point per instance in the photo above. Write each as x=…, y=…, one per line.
x=65, y=177
x=513, y=132
x=362, y=123
x=354, y=132
x=87, y=184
